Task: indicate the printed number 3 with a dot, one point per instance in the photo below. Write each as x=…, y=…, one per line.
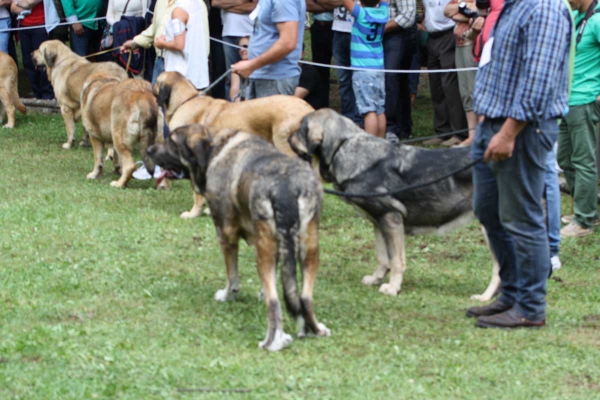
x=374, y=31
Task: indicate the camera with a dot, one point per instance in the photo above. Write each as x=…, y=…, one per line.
x=466, y=11
x=483, y=8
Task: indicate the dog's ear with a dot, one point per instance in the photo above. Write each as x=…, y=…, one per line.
x=202, y=151
x=49, y=59
x=163, y=95
x=299, y=141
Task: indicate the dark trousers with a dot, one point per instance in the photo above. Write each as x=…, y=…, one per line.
x=88, y=43
x=217, y=56
x=341, y=55
x=398, y=48
x=448, y=108
x=31, y=39
x=321, y=44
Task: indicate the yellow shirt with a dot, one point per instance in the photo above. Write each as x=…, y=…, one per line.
x=162, y=13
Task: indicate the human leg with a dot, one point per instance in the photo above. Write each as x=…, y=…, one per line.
x=341, y=55
x=322, y=51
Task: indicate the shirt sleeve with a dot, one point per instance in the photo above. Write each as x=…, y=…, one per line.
x=355, y=12
x=546, y=39
x=111, y=16
x=69, y=9
x=286, y=11
x=406, y=12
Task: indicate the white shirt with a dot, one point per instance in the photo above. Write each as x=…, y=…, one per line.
x=435, y=20
x=135, y=8
x=238, y=25
x=342, y=20
x=4, y=13
x=193, y=61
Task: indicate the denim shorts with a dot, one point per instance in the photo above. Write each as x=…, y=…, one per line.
x=369, y=90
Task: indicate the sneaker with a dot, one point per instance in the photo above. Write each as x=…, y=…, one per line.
x=574, y=230
x=451, y=142
x=142, y=173
x=392, y=137
x=433, y=142
x=567, y=219
x=556, y=264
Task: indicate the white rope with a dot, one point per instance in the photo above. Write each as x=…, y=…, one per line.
x=390, y=71
x=22, y=28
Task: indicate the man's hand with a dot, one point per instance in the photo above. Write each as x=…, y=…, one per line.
x=500, y=148
x=391, y=26
x=78, y=29
x=478, y=24
x=127, y=46
x=160, y=42
x=243, y=68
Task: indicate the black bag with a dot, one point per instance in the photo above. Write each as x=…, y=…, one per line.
x=126, y=29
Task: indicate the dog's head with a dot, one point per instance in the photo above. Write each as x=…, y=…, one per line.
x=308, y=139
x=49, y=54
x=168, y=85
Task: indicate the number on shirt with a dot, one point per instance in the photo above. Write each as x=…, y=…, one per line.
x=374, y=32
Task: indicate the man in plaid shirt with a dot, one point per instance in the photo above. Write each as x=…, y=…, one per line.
x=521, y=89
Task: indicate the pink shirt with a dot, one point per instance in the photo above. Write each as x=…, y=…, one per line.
x=490, y=21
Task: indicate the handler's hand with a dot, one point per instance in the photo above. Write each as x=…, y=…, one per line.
x=243, y=68
x=500, y=148
x=127, y=46
x=78, y=29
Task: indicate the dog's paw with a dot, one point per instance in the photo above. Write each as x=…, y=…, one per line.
x=481, y=297
x=67, y=145
x=8, y=126
x=117, y=184
x=371, y=280
x=206, y=211
x=280, y=341
x=190, y=214
x=224, y=295
x=388, y=289
x=323, y=330
x=93, y=175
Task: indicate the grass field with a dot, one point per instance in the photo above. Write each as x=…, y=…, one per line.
x=107, y=293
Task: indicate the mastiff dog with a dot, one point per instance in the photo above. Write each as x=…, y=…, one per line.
x=274, y=118
x=120, y=114
x=9, y=95
x=270, y=200
x=67, y=72
x=359, y=163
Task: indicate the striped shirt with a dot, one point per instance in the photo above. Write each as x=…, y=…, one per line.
x=527, y=76
x=366, y=47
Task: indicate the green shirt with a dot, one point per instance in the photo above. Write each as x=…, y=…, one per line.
x=79, y=10
x=586, y=78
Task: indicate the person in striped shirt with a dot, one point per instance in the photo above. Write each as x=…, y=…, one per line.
x=366, y=52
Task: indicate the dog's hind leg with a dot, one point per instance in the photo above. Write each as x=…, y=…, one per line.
x=127, y=166
x=382, y=258
x=228, y=238
x=310, y=265
x=393, y=233
x=494, y=284
x=97, y=150
x=9, y=107
x=266, y=258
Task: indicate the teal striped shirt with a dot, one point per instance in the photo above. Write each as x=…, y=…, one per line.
x=366, y=48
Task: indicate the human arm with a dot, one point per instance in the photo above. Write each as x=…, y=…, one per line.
x=503, y=143
x=245, y=8
x=348, y=5
x=178, y=43
x=288, y=39
x=24, y=4
x=406, y=11
x=235, y=85
x=4, y=3
x=70, y=13
x=111, y=15
x=301, y=92
x=320, y=6
x=228, y=4
x=451, y=10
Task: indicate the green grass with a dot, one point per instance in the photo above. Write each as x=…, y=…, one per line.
x=107, y=293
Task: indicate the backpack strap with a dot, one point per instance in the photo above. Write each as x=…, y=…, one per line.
x=588, y=14
x=126, y=5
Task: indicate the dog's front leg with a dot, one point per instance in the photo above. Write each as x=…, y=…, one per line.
x=266, y=258
x=382, y=258
x=494, y=284
x=229, y=248
x=393, y=232
x=69, y=118
x=196, y=209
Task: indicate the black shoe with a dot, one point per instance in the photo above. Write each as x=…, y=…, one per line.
x=510, y=319
x=496, y=307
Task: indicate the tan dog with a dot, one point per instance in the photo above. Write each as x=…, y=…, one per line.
x=9, y=95
x=120, y=113
x=67, y=72
x=274, y=118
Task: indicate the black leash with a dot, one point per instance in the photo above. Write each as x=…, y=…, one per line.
x=422, y=139
x=405, y=189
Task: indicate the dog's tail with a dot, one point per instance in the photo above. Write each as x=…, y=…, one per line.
x=17, y=101
x=287, y=213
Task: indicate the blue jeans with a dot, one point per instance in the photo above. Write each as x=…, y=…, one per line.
x=399, y=47
x=341, y=56
x=31, y=39
x=552, y=195
x=258, y=88
x=88, y=43
x=159, y=68
x=507, y=200
x=232, y=55
x=4, y=36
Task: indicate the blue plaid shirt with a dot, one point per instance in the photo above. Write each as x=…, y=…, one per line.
x=527, y=77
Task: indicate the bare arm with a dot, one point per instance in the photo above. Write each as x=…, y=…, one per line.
x=322, y=5
x=27, y=4
x=502, y=144
x=245, y=8
x=288, y=38
x=227, y=4
x=236, y=83
x=348, y=4
x=451, y=11
x=301, y=92
x=178, y=43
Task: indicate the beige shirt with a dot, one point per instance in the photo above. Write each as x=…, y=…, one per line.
x=162, y=14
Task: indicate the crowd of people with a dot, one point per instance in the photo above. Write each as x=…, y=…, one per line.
x=530, y=57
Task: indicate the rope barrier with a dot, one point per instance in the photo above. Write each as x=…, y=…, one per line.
x=404, y=189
